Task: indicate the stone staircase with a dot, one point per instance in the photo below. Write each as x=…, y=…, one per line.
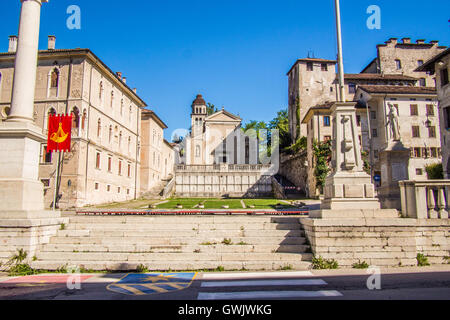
x=177, y=243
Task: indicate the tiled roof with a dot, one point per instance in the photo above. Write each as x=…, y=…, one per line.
x=398, y=89
x=378, y=76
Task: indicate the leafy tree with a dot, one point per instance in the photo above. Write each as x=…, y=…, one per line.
x=211, y=109
x=322, y=154
x=281, y=123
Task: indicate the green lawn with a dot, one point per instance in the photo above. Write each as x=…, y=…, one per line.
x=266, y=203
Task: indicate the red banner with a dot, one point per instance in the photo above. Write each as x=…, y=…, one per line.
x=59, y=133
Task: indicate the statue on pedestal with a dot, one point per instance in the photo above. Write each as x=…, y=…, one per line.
x=393, y=123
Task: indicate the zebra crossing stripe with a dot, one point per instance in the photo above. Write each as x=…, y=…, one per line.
x=256, y=275
x=255, y=283
x=267, y=295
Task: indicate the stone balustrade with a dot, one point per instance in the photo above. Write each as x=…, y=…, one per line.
x=425, y=199
x=222, y=168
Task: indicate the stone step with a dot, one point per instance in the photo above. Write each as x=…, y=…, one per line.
x=163, y=219
x=184, y=226
x=159, y=257
x=220, y=248
x=176, y=240
x=178, y=234
x=177, y=265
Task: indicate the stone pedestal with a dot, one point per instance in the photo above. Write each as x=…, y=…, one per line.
x=394, y=160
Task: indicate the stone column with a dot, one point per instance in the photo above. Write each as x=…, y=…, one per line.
x=21, y=193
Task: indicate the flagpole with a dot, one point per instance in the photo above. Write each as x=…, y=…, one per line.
x=56, y=181
x=340, y=55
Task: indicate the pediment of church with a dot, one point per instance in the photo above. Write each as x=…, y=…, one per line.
x=223, y=116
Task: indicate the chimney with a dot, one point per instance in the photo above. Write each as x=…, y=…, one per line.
x=134, y=90
x=124, y=79
x=434, y=42
x=420, y=41
x=393, y=41
x=51, y=42
x=406, y=40
x=119, y=74
x=12, y=44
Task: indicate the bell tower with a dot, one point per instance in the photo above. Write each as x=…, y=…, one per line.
x=198, y=115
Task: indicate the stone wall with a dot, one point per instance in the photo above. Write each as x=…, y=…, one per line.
x=223, y=180
x=278, y=190
x=25, y=234
x=295, y=169
x=379, y=242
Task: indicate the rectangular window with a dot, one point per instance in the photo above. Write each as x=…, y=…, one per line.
x=374, y=133
x=414, y=110
x=309, y=66
x=373, y=115
x=109, y=164
x=433, y=152
x=423, y=82
x=118, y=189
x=447, y=117
x=120, y=167
x=430, y=110
x=444, y=77
x=108, y=188
x=417, y=153
x=97, y=161
x=326, y=121
x=129, y=170
x=351, y=88
x=425, y=153
x=420, y=63
x=324, y=67
x=415, y=132
x=358, y=120
x=419, y=172
x=46, y=156
x=96, y=186
x=432, y=132
x=398, y=64
x=128, y=191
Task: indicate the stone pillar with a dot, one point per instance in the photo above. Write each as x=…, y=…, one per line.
x=348, y=190
x=21, y=193
x=394, y=160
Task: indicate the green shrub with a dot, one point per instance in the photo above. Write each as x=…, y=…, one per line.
x=435, y=171
x=422, y=260
x=141, y=269
x=21, y=269
x=227, y=242
x=360, y=265
x=321, y=263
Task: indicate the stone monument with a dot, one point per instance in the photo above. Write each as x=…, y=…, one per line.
x=394, y=161
x=21, y=193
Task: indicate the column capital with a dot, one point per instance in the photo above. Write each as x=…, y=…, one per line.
x=38, y=1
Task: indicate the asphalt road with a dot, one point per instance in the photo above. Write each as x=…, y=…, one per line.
x=430, y=283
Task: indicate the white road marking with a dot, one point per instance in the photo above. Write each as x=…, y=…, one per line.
x=213, y=276
x=303, y=282
x=267, y=295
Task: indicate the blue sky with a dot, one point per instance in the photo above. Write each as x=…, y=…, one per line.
x=236, y=52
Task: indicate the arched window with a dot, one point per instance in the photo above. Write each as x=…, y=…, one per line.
x=83, y=119
x=197, y=151
x=50, y=112
x=100, y=91
x=112, y=99
x=99, y=127
x=75, y=118
x=110, y=134
x=54, y=78
x=247, y=150
x=224, y=150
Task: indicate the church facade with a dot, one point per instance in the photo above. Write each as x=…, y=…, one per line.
x=219, y=159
